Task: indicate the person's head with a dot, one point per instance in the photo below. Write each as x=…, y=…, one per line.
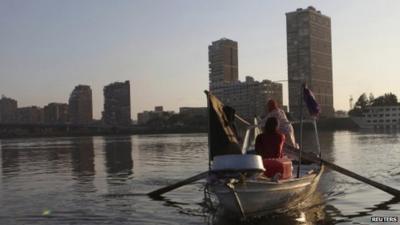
x=271, y=125
x=271, y=105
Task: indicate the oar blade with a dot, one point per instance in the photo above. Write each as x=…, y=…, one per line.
x=163, y=190
x=316, y=159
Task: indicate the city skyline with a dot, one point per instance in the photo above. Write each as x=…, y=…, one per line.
x=48, y=48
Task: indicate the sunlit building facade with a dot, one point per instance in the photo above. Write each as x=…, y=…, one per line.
x=223, y=64
x=309, y=54
x=248, y=98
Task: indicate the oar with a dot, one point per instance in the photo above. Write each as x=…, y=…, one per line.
x=314, y=158
x=176, y=185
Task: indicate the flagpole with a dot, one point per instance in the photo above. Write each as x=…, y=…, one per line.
x=208, y=132
x=301, y=132
x=316, y=137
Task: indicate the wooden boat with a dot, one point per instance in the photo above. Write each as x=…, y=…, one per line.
x=260, y=196
x=235, y=175
x=235, y=178
x=238, y=183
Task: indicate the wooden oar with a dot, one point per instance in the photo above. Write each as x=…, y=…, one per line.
x=176, y=185
x=314, y=158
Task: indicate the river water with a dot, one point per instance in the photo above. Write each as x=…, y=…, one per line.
x=103, y=180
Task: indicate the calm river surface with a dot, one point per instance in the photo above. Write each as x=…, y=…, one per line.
x=102, y=180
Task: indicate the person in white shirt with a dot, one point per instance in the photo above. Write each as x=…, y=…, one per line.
x=285, y=127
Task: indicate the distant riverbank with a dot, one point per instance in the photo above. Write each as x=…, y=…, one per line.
x=22, y=131
x=332, y=124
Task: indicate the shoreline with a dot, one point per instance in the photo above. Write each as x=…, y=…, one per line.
x=92, y=132
x=32, y=131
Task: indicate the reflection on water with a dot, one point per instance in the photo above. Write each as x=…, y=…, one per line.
x=367, y=212
x=83, y=168
x=118, y=152
x=9, y=161
x=83, y=157
x=312, y=211
x=103, y=180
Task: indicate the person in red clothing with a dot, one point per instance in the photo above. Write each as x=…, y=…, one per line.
x=269, y=144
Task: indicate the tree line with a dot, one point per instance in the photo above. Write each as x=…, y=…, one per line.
x=388, y=99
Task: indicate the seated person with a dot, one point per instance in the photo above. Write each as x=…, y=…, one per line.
x=269, y=144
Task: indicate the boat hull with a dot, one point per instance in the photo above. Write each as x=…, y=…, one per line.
x=257, y=196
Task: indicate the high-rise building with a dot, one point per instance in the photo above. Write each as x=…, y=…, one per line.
x=117, y=104
x=30, y=115
x=223, y=64
x=56, y=113
x=8, y=110
x=309, y=52
x=249, y=98
x=80, y=108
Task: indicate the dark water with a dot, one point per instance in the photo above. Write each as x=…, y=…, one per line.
x=102, y=180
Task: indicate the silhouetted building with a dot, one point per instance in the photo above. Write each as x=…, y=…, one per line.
x=158, y=108
x=117, y=104
x=193, y=111
x=30, y=115
x=309, y=52
x=158, y=114
x=223, y=64
x=56, y=113
x=8, y=110
x=80, y=109
x=341, y=114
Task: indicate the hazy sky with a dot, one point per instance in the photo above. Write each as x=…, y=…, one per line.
x=48, y=47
